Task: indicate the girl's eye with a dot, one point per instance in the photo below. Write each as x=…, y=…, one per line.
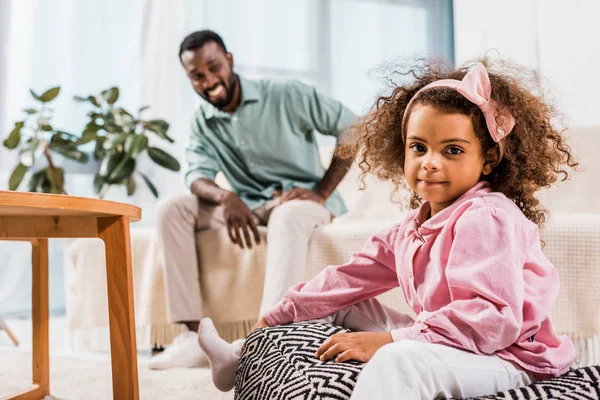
x=454, y=151
x=417, y=147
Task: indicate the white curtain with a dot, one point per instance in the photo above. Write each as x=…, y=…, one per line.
x=559, y=39
x=88, y=46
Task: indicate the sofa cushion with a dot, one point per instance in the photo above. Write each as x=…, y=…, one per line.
x=579, y=194
x=278, y=363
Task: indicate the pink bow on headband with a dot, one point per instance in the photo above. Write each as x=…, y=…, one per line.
x=477, y=88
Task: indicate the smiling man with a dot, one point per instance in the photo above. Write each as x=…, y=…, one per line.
x=261, y=135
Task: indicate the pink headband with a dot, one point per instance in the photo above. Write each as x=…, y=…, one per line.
x=477, y=88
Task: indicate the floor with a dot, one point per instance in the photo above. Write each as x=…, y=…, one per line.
x=86, y=375
x=59, y=340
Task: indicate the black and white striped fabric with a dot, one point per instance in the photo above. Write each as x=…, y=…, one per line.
x=577, y=384
x=278, y=363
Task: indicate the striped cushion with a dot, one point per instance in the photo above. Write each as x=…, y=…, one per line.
x=278, y=363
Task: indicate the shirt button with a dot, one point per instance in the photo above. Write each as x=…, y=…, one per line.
x=242, y=142
x=252, y=164
x=235, y=118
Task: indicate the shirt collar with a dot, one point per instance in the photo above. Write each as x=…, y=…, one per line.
x=250, y=94
x=438, y=220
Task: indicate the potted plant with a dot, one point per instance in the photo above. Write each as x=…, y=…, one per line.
x=34, y=137
x=119, y=140
x=117, y=137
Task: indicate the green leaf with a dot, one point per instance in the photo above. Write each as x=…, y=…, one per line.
x=135, y=144
x=160, y=127
x=117, y=142
x=99, y=151
x=92, y=126
x=150, y=185
x=16, y=177
x=73, y=154
x=124, y=120
x=30, y=151
x=68, y=136
x=47, y=181
x=14, y=138
x=123, y=171
x=87, y=136
x=55, y=178
x=116, y=167
x=50, y=94
x=94, y=101
x=44, y=124
x=38, y=181
x=35, y=96
x=93, y=117
x=63, y=139
x=80, y=99
x=109, y=163
x=30, y=111
x=110, y=123
x=111, y=95
x=163, y=159
x=131, y=186
x=99, y=184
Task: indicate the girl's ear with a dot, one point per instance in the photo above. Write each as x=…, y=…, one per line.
x=491, y=160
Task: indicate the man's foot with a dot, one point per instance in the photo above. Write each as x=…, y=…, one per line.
x=184, y=352
x=222, y=355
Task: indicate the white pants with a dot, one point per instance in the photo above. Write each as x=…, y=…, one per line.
x=289, y=227
x=408, y=369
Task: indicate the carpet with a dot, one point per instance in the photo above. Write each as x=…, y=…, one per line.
x=72, y=378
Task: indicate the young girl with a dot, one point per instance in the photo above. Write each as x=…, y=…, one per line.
x=475, y=147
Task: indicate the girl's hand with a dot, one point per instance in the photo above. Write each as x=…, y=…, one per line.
x=358, y=346
x=261, y=323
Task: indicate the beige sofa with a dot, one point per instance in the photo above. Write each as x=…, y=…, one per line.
x=232, y=278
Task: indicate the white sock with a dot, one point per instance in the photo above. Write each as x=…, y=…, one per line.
x=222, y=355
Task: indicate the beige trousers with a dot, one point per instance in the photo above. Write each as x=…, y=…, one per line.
x=289, y=227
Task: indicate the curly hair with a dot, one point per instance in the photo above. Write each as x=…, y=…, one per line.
x=535, y=152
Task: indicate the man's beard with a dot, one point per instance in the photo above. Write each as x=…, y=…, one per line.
x=230, y=91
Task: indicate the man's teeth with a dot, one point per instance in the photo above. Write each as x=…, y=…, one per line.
x=216, y=91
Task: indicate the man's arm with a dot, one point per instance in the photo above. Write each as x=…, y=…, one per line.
x=203, y=167
x=324, y=188
x=329, y=117
x=333, y=176
x=208, y=191
x=238, y=217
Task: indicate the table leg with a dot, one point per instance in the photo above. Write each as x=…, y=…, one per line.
x=40, y=311
x=114, y=231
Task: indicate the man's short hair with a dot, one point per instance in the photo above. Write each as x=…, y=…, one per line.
x=198, y=39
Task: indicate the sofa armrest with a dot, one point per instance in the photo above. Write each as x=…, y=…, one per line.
x=573, y=246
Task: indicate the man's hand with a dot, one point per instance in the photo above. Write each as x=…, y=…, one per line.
x=261, y=323
x=360, y=346
x=303, y=194
x=240, y=220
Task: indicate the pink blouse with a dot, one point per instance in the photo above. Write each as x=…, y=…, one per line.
x=474, y=274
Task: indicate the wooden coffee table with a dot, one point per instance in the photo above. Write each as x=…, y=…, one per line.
x=36, y=217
